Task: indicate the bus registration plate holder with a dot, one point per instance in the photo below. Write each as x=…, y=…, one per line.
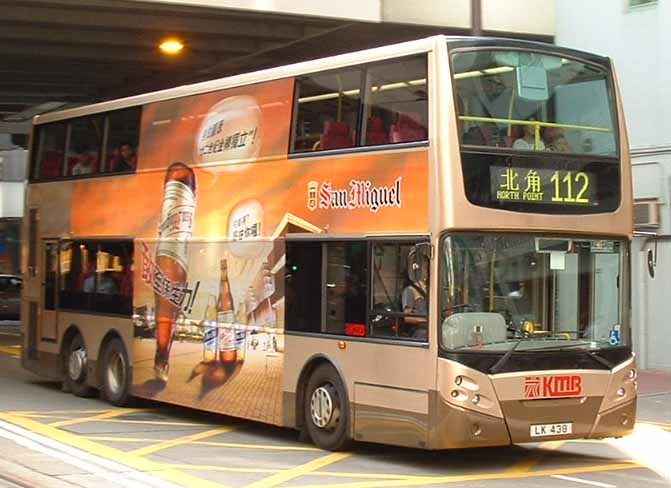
x=544, y=430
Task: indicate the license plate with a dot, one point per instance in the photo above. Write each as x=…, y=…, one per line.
x=542, y=430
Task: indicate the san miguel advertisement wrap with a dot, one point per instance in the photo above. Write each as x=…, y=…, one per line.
x=212, y=199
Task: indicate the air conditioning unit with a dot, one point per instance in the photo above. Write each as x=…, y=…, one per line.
x=646, y=214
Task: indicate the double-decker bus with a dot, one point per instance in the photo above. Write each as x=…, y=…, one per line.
x=425, y=244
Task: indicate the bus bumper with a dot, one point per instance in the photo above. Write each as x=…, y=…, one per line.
x=455, y=427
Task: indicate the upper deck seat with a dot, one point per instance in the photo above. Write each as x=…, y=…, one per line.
x=375, y=132
x=336, y=135
x=407, y=128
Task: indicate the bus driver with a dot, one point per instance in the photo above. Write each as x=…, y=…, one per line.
x=414, y=297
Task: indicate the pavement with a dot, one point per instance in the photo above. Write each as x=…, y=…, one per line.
x=52, y=439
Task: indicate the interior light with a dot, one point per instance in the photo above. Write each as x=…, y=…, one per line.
x=171, y=46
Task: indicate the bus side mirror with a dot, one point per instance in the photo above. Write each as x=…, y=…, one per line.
x=652, y=262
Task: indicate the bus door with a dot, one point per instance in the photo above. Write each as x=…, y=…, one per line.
x=48, y=315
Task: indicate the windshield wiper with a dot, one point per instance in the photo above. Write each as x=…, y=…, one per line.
x=504, y=359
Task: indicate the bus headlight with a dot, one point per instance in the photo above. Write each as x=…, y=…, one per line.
x=459, y=380
x=621, y=392
x=476, y=399
x=631, y=374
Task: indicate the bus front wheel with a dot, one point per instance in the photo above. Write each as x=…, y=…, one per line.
x=326, y=409
x=75, y=363
x=115, y=379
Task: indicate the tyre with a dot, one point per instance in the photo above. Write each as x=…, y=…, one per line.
x=115, y=373
x=75, y=364
x=326, y=409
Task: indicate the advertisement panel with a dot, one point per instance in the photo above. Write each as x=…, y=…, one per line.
x=213, y=198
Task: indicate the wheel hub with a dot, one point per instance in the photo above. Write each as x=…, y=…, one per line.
x=76, y=364
x=116, y=373
x=323, y=407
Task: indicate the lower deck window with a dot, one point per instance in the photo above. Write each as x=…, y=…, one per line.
x=96, y=276
x=358, y=288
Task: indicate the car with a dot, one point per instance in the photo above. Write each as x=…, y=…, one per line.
x=10, y=296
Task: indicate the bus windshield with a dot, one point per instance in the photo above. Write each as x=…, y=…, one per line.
x=529, y=101
x=531, y=292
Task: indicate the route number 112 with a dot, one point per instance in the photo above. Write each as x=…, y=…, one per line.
x=564, y=187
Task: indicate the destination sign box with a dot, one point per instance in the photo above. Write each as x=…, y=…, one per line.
x=549, y=186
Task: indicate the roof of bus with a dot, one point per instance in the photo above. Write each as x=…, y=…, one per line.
x=297, y=69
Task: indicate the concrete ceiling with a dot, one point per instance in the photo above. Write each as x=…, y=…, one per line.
x=75, y=52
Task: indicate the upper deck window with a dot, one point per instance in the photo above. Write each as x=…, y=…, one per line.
x=328, y=111
x=529, y=101
x=86, y=135
x=331, y=113
x=87, y=146
x=50, y=151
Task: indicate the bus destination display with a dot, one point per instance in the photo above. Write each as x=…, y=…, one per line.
x=534, y=185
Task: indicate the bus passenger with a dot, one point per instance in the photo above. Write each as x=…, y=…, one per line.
x=126, y=159
x=85, y=163
x=528, y=141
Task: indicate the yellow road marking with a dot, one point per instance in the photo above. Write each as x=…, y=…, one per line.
x=11, y=350
x=43, y=416
x=329, y=474
x=156, y=422
x=187, y=439
x=664, y=425
x=545, y=449
x=430, y=480
x=63, y=412
x=303, y=469
x=135, y=462
x=205, y=467
x=95, y=418
x=235, y=445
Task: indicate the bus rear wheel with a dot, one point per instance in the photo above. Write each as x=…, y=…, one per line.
x=326, y=409
x=75, y=364
x=115, y=380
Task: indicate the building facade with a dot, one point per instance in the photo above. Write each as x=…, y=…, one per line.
x=635, y=33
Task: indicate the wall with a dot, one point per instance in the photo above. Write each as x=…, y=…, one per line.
x=636, y=40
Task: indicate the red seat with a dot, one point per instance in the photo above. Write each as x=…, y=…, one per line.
x=407, y=128
x=336, y=135
x=375, y=132
x=52, y=164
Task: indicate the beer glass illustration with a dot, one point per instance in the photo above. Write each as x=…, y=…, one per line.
x=175, y=229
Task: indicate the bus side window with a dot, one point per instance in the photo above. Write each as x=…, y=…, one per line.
x=326, y=111
x=84, y=147
x=50, y=151
x=326, y=287
x=396, y=102
x=399, y=298
x=123, y=136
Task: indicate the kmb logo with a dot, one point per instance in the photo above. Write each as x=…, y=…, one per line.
x=552, y=386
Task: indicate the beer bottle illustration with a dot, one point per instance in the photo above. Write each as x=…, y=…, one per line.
x=210, y=331
x=175, y=229
x=226, y=323
x=241, y=332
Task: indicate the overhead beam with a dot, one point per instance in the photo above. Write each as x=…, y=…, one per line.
x=95, y=53
x=121, y=36
x=199, y=21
